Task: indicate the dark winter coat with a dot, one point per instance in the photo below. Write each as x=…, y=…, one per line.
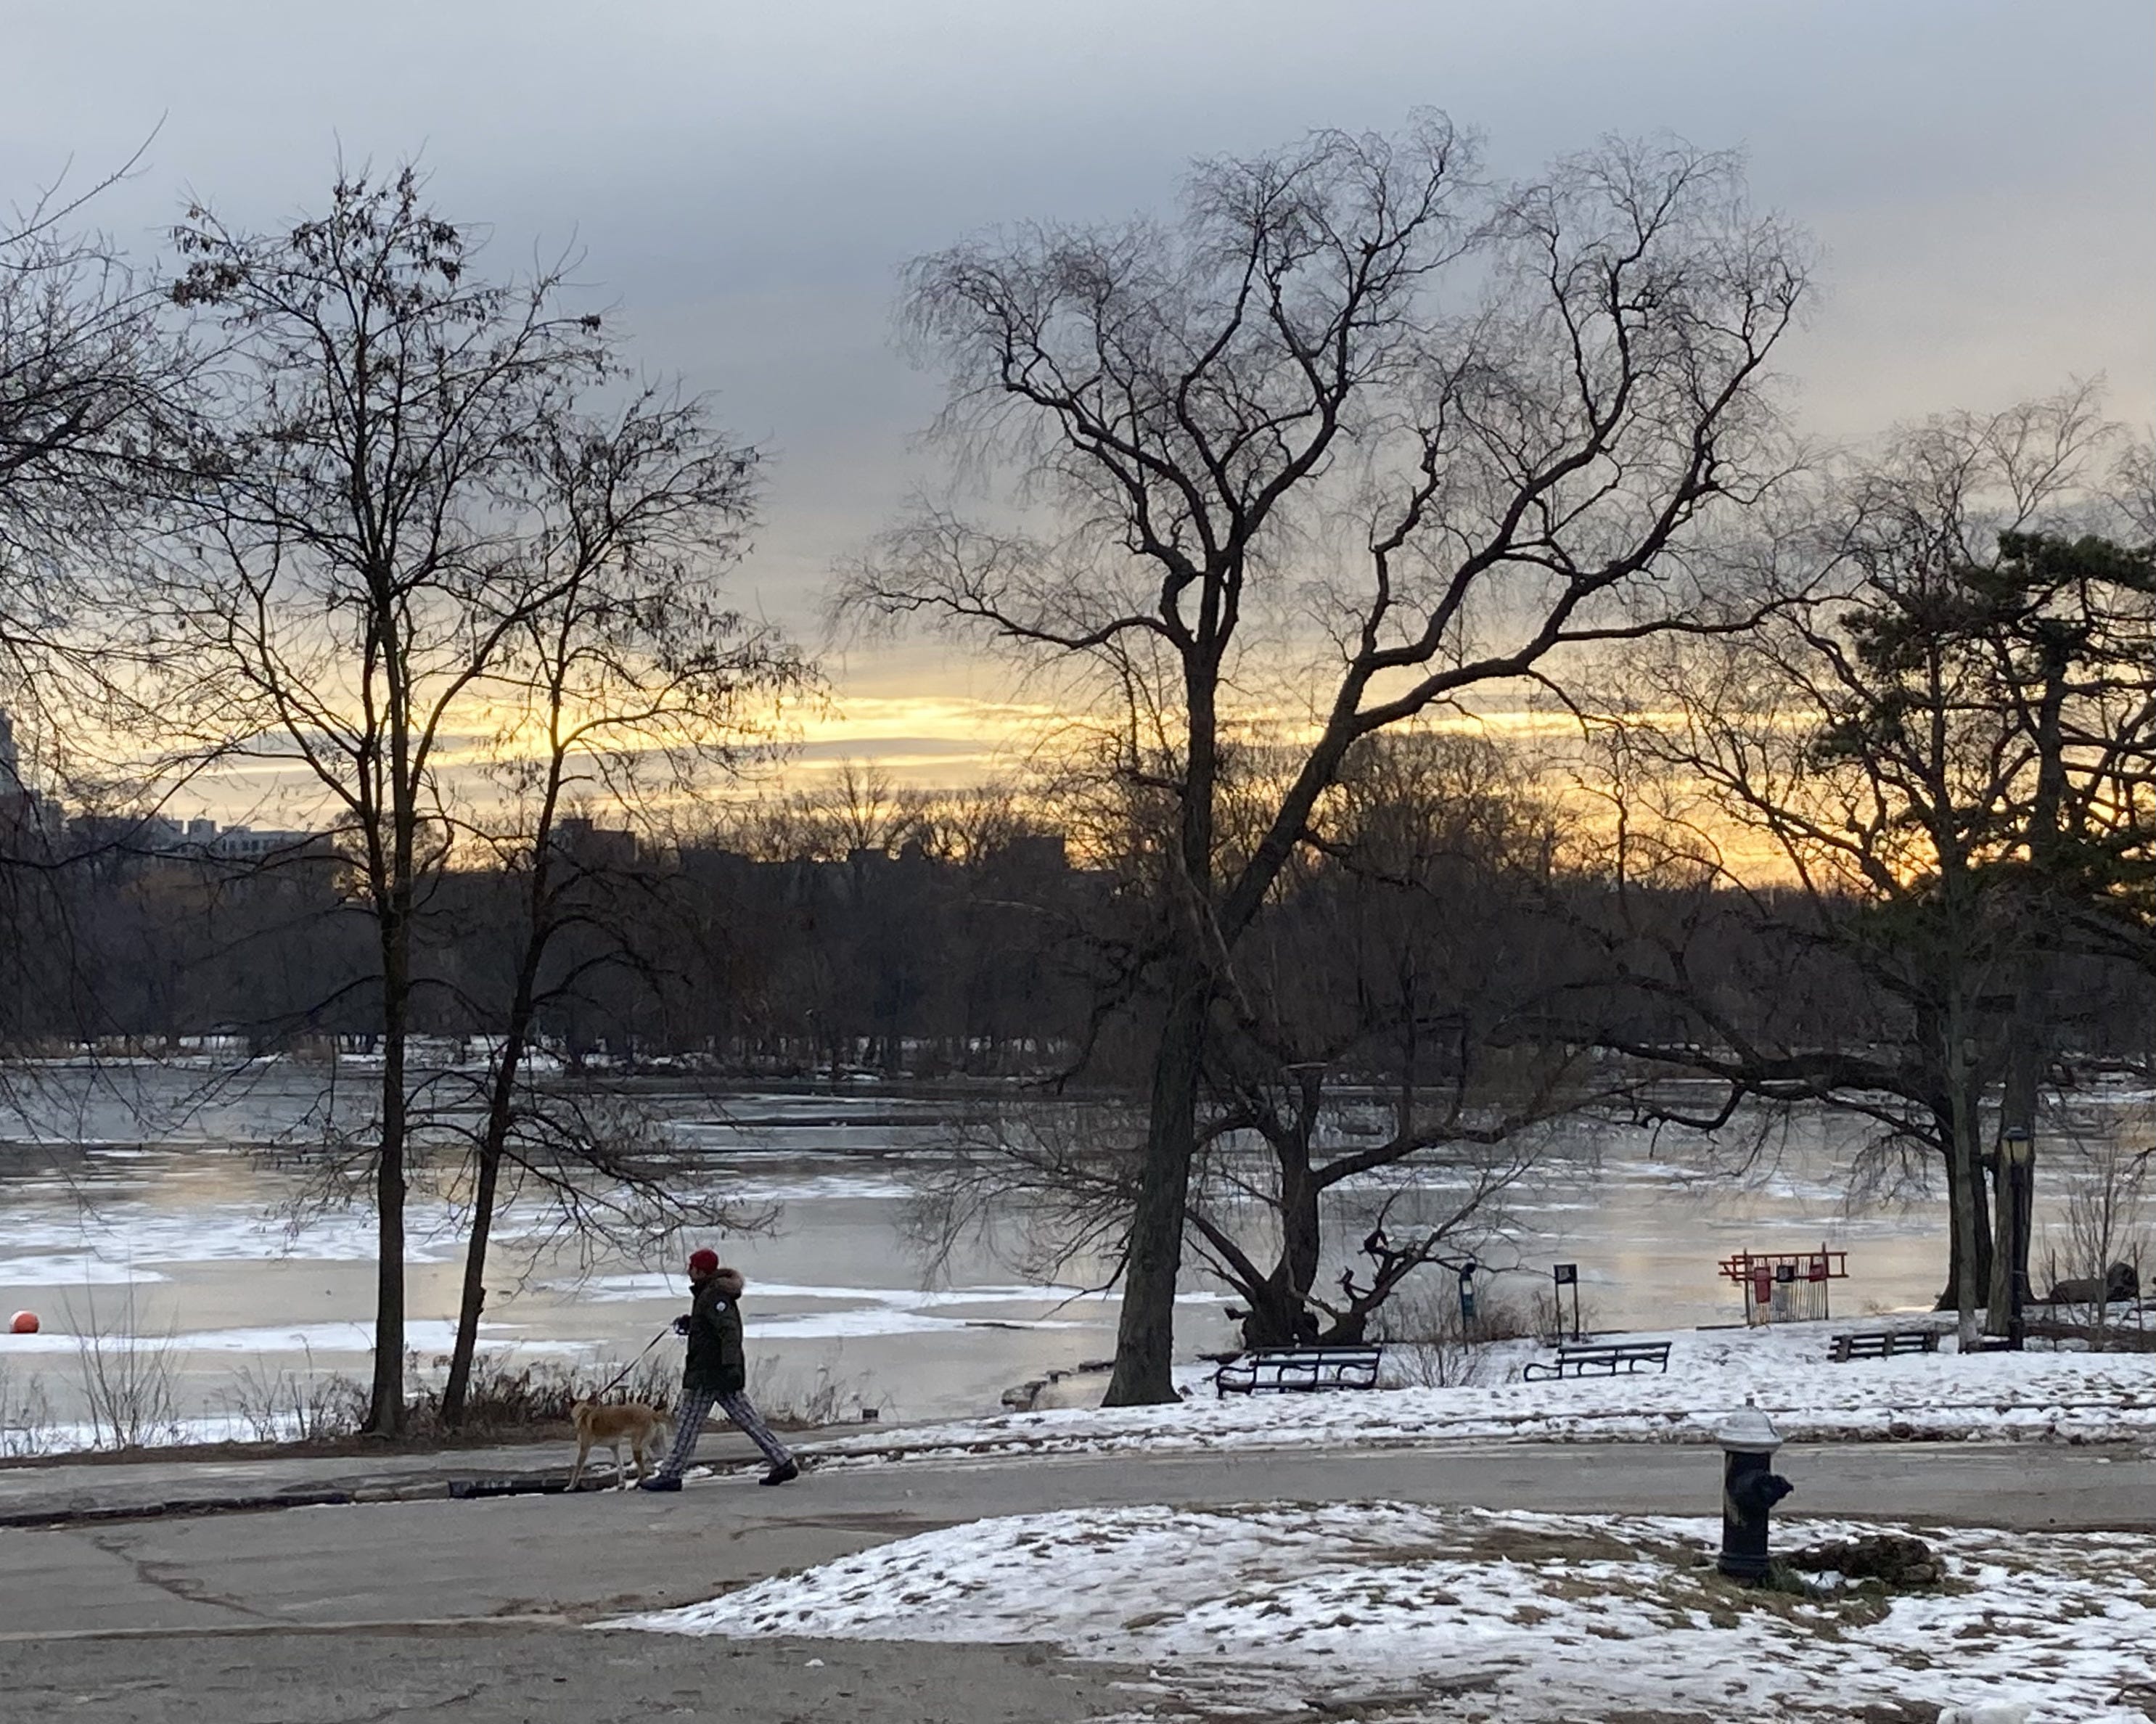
x=717, y=1360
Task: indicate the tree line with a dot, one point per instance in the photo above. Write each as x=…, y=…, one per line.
x=1294, y=496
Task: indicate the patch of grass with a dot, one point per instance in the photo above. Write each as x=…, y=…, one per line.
x=1502, y=1541
x=790, y=1400
x=506, y=1397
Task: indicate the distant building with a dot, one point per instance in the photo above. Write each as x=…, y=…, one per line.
x=244, y=844
x=1045, y=852
x=17, y=800
x=158, y=837
x=24, y=813
x=594, y=847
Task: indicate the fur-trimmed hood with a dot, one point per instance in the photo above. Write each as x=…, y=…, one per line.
x=729, y=1282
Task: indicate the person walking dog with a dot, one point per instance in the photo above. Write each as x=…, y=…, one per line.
x=716, y=1372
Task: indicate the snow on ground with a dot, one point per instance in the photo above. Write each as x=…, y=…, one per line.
x=1510, y=1616
x=2073, y=1397
x=421, y=1335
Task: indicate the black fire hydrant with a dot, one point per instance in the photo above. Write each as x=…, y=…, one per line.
x=1750, y=1488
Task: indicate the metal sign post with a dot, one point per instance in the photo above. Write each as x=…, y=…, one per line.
x=1567, y=1275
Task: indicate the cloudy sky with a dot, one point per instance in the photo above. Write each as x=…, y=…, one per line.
x=744, y=181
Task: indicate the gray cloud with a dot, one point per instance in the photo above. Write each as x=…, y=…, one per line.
x=745, y=178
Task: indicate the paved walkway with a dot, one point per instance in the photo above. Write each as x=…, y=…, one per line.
x=506, y=1579
x=117, y=1489
x=436, y=1560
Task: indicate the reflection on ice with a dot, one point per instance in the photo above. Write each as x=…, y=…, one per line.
x=663, y=1286
x=72, y=1270
x=426, y=1336
x=881, y=1320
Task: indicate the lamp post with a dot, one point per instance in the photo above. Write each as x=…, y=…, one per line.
x=2017, y=1151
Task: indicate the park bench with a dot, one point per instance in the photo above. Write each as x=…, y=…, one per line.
x=1602, y=1356
x=1298, y=1370
x=1882, y=1344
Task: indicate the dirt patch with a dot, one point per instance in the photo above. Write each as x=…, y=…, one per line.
x=1502, y=1542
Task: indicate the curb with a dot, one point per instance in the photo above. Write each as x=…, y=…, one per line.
x=179, y=1508
x=182, y=1507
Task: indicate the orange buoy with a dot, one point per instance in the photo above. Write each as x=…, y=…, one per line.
x=23, y=1322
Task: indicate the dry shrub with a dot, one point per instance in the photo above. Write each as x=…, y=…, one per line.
x=505, y=1396
x=126, y=1372
x=26, y=1416
x=788, y=1397
x=306, y=1406
x=1430, y=1345
x=2108, y=1201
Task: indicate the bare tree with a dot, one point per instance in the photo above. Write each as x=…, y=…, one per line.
x=93, y=392
x=1401, y=986
x=631, y=680
x=1937, y=738
x=1436, y=433
x=357, y=552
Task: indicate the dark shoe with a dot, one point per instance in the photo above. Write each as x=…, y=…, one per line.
x=784, y=1473
x=659, y=1484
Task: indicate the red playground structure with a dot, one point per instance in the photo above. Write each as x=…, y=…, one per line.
x=1786, y=1287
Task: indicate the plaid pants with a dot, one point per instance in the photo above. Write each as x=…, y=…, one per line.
x=696, y=1404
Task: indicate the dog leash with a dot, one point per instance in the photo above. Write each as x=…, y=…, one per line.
x=622, y=1375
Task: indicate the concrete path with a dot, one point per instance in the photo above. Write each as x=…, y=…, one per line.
x=117, y=1489
x=500, y=1573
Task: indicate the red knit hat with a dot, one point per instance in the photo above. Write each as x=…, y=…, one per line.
x=702, y=1263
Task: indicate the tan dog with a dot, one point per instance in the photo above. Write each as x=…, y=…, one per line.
x=642, y=1428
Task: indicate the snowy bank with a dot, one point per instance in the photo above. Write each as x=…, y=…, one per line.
x=2070, y=1397
x=1509, y=1616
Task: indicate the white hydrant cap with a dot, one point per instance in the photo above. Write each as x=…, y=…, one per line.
x=1748, y=1431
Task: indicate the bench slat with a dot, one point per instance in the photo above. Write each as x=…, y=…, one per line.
x=1607, y=1357
x=1881, y=1344
x=1299, y=1370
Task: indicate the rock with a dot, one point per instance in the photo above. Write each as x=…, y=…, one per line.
x=1894, y=1558
x=2120, y=1281
x=1988, y=1712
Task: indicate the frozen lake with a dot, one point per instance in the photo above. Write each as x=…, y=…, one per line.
x=139, y=1199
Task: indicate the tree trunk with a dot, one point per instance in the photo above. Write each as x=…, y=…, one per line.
x=2017, y=1113
x=1964, y=1178
x=1280, y=1306
x=2009, y=1235
x=1998, y=1298
x=1145, y=1335
x=1297, y=1273
x=540, y=925
x=392, y=883
x=474, y=1301
x=500, y=1115
x=1977, y=1251
x=385, y=1414
x=1350, y=1329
